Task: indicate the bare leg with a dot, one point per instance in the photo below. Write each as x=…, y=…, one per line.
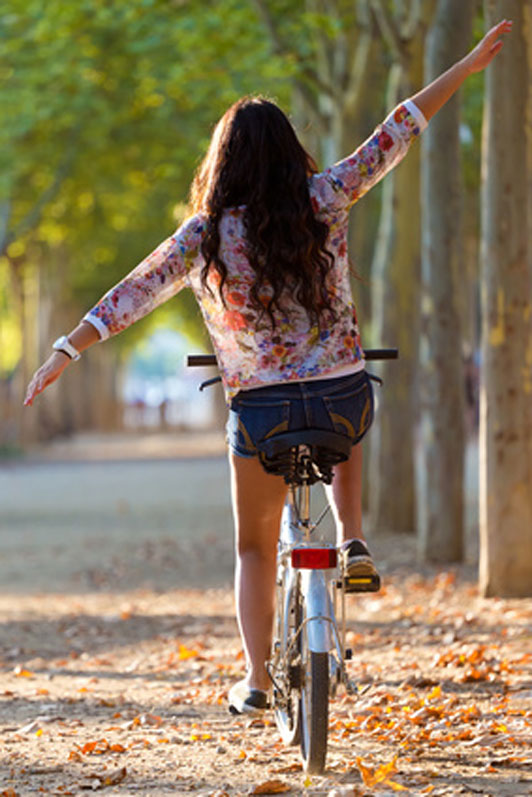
x=345, y=497
x=258, y=499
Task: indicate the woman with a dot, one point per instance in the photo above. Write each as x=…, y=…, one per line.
x=265, y=254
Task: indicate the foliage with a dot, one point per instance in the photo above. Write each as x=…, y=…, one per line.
x=108, y=108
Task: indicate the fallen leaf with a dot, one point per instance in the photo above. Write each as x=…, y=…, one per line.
x=31, y=727
x=97, y=781
x=95, y=748
x=295, y=767
x=271, y=787
x=115, y=777
x=186, y=653
x=21, y=672
x=371, y=776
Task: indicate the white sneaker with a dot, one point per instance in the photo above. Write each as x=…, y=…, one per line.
x=245, y=700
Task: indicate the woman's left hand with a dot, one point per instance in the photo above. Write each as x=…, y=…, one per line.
x=486, y=50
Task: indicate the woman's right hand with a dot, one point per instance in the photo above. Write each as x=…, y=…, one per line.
x=45, y=375
x=486, y=50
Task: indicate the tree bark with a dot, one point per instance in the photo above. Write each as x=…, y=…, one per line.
x=440, y=455
x=506, y=376
x=87, y=396
x=25, y=283
x=394, y=283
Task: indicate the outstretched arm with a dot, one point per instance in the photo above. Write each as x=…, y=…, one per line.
x=159, y=277
x=431, y=98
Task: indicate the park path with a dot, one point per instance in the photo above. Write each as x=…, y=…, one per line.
x=118, y=644
x=116, y=512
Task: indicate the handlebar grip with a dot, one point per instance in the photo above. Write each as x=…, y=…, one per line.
x=201, y=359
x=381, y=354
x=370, y=354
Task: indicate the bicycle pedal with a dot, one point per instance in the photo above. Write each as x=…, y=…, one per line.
x=362, y=583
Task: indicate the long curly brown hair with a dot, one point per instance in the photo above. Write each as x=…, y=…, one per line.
x=255, y=160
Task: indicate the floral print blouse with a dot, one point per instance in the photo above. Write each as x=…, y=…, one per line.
x=249, y=354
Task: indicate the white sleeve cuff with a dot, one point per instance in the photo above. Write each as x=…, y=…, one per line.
x=416, y=113
x=98, y=324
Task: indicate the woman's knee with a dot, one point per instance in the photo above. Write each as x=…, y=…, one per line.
x=256, y=544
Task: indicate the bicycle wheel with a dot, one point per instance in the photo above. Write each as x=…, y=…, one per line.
x=314, y=706
x=287, y=666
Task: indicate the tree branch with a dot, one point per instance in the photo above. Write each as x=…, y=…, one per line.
x=310, y=76
x=33, y=216
x=322, y=47
x=390, y=32
x=358, y=70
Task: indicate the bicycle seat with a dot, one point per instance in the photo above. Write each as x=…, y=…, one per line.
x=305, y=456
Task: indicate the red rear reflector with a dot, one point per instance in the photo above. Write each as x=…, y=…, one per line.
x=314, y=558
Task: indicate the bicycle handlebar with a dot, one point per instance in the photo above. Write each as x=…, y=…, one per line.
x=370, y=354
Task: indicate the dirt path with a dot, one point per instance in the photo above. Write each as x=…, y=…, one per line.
x=116, y=513
x=114, y=680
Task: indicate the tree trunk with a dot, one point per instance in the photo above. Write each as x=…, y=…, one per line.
x=25, y=284
x=394, y=283
x=440, y=455
x=506, y=377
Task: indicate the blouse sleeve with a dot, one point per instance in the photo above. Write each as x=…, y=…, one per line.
x=340, y=186
x=159, y=277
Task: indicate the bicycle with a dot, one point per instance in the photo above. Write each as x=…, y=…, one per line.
x=309, y=654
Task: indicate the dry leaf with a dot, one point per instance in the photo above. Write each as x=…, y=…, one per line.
x=100, y=781
x=271, y=787
x=372, y=776
x=295, y=767
x=21, y=672
x=97, y=747
x=31, y=727
x=186, y=653
x=115, y=777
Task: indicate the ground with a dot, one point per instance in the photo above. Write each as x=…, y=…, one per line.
x=118, y=645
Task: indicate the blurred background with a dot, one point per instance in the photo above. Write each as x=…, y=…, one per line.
x=106, y=111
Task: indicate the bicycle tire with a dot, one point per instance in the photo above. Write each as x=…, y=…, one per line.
x=287, y=711
x=314, y=707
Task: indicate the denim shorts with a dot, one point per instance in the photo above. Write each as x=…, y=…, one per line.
x=343, y=404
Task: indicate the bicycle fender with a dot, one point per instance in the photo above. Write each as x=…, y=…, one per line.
x=318, y=611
